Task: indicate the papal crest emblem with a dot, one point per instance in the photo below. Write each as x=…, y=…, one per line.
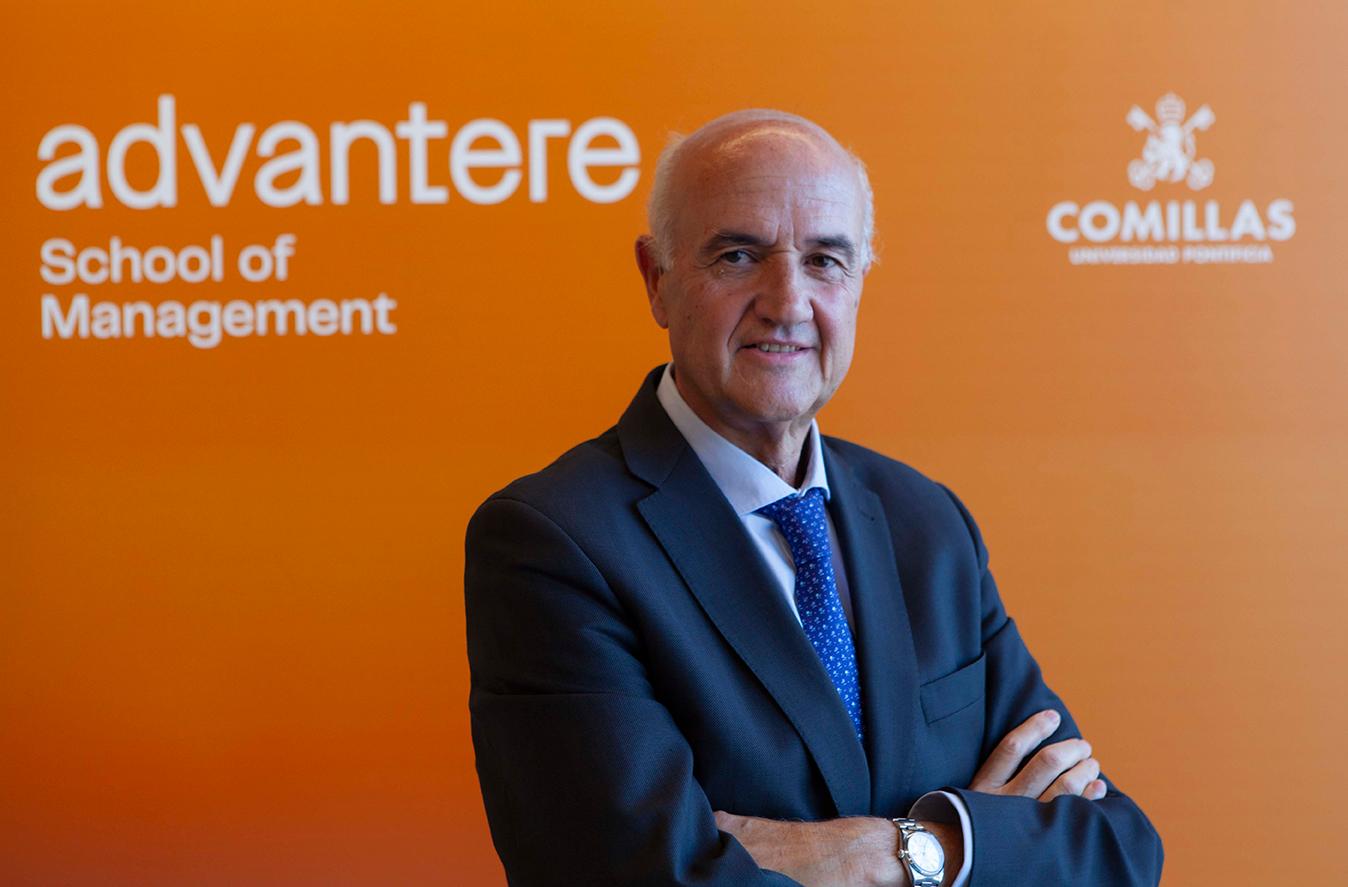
x=1170, y=154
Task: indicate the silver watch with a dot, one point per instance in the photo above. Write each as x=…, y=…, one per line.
x=921, y=852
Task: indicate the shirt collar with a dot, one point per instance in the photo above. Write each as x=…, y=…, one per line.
x=745, y=482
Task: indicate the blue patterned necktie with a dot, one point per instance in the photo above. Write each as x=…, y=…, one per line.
x=802, y=521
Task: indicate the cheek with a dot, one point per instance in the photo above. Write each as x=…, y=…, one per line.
x=712, y=322
x=837, y=327
x=838, y=331
x=697, y=336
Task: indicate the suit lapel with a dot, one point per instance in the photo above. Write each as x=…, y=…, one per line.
x=885, y=655
x=709, y=547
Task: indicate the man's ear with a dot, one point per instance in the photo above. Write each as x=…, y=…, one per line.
x=651, y=273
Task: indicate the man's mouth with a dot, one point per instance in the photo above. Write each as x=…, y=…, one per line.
x=775, y=348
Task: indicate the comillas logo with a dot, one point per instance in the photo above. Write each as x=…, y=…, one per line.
x=1177, y=229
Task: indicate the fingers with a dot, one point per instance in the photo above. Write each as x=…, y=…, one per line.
x=1061, y=768
x=1049, y=763
x=1075, y=781
x=1005, y=759
x=726, y=822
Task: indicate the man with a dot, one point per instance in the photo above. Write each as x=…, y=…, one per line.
x=711, y=646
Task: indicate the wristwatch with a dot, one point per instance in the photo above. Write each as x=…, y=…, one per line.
x=921, y=852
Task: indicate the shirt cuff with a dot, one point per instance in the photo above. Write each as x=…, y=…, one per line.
x=946, y=807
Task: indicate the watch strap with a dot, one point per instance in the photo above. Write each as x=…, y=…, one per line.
x=907, y=827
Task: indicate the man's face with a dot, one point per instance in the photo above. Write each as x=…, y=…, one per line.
x=761, y=293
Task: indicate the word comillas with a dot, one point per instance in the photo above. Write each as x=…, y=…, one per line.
x=73, y=179
x=1171, y=232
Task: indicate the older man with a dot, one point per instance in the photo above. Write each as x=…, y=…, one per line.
x=711, y=646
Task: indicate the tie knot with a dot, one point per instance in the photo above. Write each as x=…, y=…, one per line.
x=801, y=520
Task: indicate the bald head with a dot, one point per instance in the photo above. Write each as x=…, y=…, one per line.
x=724, y=140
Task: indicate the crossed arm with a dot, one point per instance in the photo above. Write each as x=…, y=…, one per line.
x=1054, y=820
x=587, y=778
x=859, y=851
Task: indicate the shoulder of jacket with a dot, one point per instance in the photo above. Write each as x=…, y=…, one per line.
x=588, y=470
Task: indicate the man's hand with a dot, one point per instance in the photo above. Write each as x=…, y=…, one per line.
x=857, y=851
x=851, y=852
x=1063, y=768
x=861, y=851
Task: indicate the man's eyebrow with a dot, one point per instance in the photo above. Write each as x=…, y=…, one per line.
x=720, y=239
x=840, y=242
x=723, y=238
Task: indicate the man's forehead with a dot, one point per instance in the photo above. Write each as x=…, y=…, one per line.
x=754, y=198
x=766, y=207
x=752, y=186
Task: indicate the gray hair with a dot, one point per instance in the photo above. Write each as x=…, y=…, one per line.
x=660, y=208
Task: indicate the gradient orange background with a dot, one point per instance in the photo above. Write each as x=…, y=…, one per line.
x=231, y=643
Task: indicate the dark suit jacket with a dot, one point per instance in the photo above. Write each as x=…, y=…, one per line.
x=634, y=669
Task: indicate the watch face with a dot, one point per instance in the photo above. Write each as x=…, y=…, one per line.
x=925, y=852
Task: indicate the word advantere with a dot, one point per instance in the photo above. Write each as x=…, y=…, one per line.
x=73, y=179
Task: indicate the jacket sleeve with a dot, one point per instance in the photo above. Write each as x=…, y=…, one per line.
x=585, y=776
x=1069, y=840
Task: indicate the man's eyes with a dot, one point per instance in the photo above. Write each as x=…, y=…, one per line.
x=829, y=267
x=744, y=257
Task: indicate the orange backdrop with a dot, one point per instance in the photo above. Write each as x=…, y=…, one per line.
x=231, y=643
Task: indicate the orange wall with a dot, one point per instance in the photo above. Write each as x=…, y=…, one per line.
x=231, y=638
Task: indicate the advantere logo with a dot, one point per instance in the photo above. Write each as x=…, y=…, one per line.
x=486, y=162
x=1178, y=230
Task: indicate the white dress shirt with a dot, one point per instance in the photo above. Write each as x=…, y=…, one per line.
x=748, y=485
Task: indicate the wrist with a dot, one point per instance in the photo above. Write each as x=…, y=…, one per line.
x=871, y=857
x=951, y=837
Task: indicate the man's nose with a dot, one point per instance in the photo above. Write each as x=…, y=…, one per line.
x=783, y=297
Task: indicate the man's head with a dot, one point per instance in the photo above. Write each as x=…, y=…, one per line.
x=761, y=229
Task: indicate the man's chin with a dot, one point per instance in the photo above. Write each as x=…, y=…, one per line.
x=778, y=410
